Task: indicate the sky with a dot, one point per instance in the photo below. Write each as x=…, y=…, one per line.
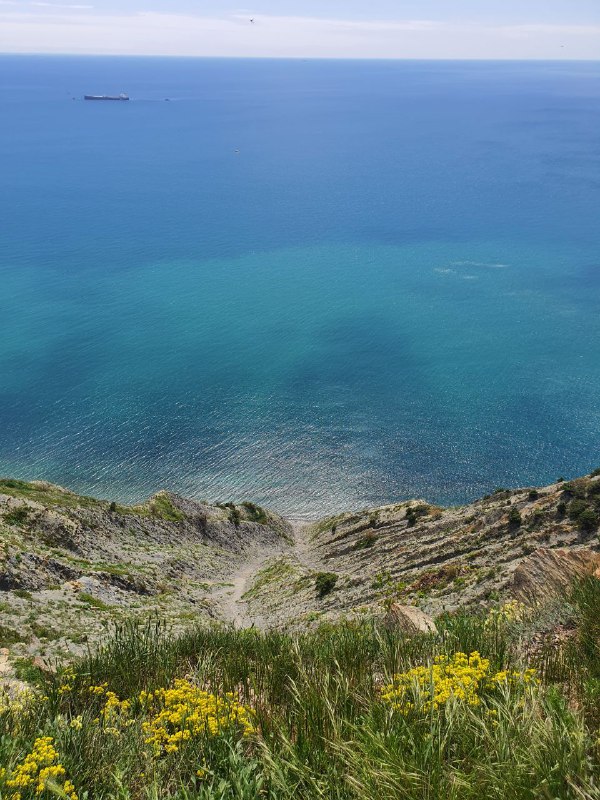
x=469, y=29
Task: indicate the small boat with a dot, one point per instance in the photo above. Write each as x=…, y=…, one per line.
x=106, y=97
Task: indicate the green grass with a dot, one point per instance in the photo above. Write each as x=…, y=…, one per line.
x=9, y=636
x=92, y=601
x=24, y=594
x=52, y=495
x=322, y=729
x=329, y=523
x=162, y=507
x=17, y=516
x=277, y=572
x=256, y=513
x=44, y=631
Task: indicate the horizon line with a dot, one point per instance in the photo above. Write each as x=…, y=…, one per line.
x=300, y=58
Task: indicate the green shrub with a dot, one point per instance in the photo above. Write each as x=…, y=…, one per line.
x=26, y=670
x=233, y=512
x=577, y=507
x=9, y=636
x=256, y=513
x=588, y=520
x=575, y=489
x=594, y=490
x=18, y=516
x=325, y=583
x=537, y=517
x=514, y=518
x=366, y=541
x=421, y=509
x=414, y=512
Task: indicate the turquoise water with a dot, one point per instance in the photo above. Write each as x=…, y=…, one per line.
x=315, y=285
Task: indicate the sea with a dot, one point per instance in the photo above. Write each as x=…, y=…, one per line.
x=315, y=285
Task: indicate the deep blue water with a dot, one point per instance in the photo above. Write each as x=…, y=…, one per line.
x=391, y=290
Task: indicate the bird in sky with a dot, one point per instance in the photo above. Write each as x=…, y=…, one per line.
x=252, y=20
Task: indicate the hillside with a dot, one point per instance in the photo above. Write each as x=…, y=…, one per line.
x=70, y=565
x=171, y=703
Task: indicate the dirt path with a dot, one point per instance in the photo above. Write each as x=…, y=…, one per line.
x=232, y=607
x=303, y=549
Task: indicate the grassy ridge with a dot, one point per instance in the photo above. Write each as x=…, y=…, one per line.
x=307, y=718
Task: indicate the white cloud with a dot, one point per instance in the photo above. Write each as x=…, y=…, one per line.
x=60, y=5
x=363, y=26
x=551, y=30
x=50, y=31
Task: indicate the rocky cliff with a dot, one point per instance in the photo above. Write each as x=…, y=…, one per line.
x=72, y=565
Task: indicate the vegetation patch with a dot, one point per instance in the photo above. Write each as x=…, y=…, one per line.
x=24, y=594
x=436, y=578
x=162, y=506
x=25, y=670
x=584, y=513
x=17, y=516
x=514, y=518
x=44, y=631
x=233, y=512
x=413, y=513
x=327, y=524
x=9, y=636
x=47, y=494
x=276, y=573
x=325, y=583
x=340, y=712
x=92, y=601
x=366, y=541
x=576, y=488
x=588, y=519
x=256, y=513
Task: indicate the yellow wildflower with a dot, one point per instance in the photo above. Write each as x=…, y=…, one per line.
x=511, y=611
x=434, y=685
x=100, y=689
x=461, y=677
x=68, y=681
x=38, y=768
x=185, y=711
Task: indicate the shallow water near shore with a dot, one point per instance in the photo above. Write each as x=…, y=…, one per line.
x=315, y=285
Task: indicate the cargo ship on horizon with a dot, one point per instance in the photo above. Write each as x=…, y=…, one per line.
x=106, y=97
